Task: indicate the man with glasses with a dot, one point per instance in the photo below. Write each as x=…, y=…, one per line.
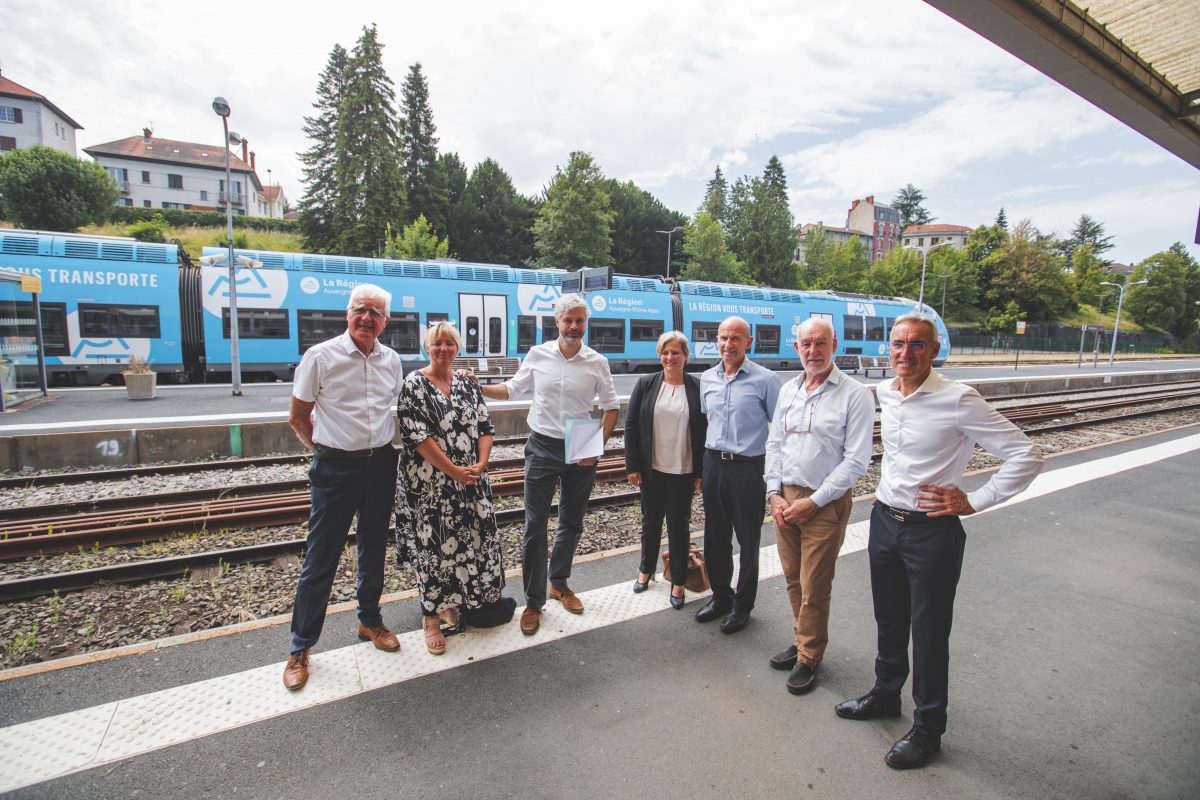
x=930, y=426
x=739, y=398
x=344, y=410
x=819, y=445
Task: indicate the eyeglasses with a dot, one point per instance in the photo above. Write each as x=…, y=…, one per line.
x=374, y=313
x=812, y=411
x=913, y=347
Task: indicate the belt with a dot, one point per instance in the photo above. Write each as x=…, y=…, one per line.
x=333, y=452
x=901, y=514
x=724, y=456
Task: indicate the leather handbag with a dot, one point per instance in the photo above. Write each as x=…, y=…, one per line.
x=697, y=573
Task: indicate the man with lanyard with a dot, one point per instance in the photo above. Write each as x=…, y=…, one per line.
x=344, y=410
x=564, y=376
x=930, y=426
x=739, y=398
x=820, y=444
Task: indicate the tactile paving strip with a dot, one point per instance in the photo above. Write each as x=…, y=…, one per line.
x=43, y=749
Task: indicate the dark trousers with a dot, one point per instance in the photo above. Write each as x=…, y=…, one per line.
x=915, y=566
x=734, y=504
x=545, y=470
x=669, y=495
x=342, y=488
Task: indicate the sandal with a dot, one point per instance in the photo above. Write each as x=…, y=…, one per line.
x=435, y=642
x=450, y=621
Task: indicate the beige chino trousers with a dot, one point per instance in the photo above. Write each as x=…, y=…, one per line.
x=808, y=555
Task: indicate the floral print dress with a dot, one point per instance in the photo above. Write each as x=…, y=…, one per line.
x=445, y=529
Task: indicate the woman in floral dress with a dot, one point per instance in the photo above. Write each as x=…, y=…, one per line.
x=444, y=516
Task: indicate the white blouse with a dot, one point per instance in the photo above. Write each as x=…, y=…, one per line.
x=672, y=444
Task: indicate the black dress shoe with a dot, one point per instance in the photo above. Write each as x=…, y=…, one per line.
x=710, y=611
x=784, y=660
x=802, y=679
x=639, y=587
x=734, y=621
x=869, y=706
x=913, y=750
x=677, y=602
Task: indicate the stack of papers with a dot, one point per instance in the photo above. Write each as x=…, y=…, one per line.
x=584, y=439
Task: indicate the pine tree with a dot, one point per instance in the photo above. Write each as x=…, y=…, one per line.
x=775, y=181
x=496, y=222
x=449, y=183
x=317, y=206
x=908, y=203
x=716, y=198
x=370, y=188
x=1002, y=219
x=418, y=146
x=762, y=233
x=637, y=247
x=574, y=226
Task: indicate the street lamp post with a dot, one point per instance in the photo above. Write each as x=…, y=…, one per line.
x=924, y=256
x=945, y=280
x=1122, y=287
x=676, y=229
x=221, y=107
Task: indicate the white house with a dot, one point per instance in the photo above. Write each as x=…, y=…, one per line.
x=923, y=237
x=164, y=173
x=27, y=118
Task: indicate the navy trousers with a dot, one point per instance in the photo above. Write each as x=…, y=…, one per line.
x=915, y=565
x=664, y=494
x=734, y=504
x=342, y=488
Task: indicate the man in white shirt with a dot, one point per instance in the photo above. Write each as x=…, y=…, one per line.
x=930, y=426
x=819, y=445
x=344, y=410
x=564, y=376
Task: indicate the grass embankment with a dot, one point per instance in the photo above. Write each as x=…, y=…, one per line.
x=195, y=239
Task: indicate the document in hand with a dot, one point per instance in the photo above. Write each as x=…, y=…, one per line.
x=584, y=439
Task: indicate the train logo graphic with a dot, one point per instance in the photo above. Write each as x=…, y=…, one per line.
x=256, y=288
x=537, y=299
x=109, y=350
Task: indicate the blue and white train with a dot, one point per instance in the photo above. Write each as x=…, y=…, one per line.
x=104, y=299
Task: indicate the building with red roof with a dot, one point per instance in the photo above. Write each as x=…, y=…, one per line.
x=28, y=118
x=923, y=237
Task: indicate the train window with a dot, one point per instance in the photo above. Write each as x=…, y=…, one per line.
x=606, y=335
x=135, y=322
x=766, y=339
x=436, y=316
x=549, y=329
x=402, y=333
x=472, y=332
x=852, y=327
x=494, y=329
x=888, y=324
x=704, y=331
x=526, y=333
x=54, y=326
x=258, y=323
x=645, y=330
x=315, y=327
x=874, y=329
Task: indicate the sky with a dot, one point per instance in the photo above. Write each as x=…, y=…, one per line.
x=856, y=99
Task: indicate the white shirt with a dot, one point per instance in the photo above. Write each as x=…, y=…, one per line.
x=563, y=388
x=826, y=446
x=929, y=436
x=355, y=395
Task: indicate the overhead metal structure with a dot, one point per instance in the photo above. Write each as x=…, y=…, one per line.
x=1139, y=60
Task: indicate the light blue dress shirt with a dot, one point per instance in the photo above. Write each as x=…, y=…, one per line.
x=740, y=408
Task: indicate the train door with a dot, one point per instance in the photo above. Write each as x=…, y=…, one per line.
x=482, y=321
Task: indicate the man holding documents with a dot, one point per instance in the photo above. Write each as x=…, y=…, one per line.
x=564, y=377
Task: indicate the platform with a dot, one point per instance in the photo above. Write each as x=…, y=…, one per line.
x=1072, y=675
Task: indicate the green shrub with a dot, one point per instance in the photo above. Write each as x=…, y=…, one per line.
x=204, y=219
x=151, y=230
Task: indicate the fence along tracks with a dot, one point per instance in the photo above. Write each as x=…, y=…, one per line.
x=31, y=531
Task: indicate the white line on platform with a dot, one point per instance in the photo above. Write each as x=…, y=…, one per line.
x=48, y=748
x=100, y=424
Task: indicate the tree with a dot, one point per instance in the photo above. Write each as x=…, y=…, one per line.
x=418, y=146
x=637, y=247
x=1028, y=270
x=1087, y=231
x=370, y=187
x=1168, y=301
x=574, y=226
x=709, y=257
x=1087, y=272
x=48, y=189
x=762, y=233
x=496, y=225
x=908, y=203
x=716, y=198
x=417, y=242
x=449, y=183
x=775, y=180
x=1002, y=219
x=319, y=160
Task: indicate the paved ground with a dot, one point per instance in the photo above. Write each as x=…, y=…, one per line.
x=1073, y=674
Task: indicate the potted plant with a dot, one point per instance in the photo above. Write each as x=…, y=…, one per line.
x=140, y=380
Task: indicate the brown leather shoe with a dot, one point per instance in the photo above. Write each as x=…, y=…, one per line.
x=295, y=674
x=380, y=636
x=570, y=601
x=531, y=620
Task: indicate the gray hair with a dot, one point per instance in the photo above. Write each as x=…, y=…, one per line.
x=676, y=337
x=820, y=322
x=369, y=291
x=568, y=303
x=915, y=318
x=442, y=329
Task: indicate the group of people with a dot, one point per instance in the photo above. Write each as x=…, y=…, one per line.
x=736, y=434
